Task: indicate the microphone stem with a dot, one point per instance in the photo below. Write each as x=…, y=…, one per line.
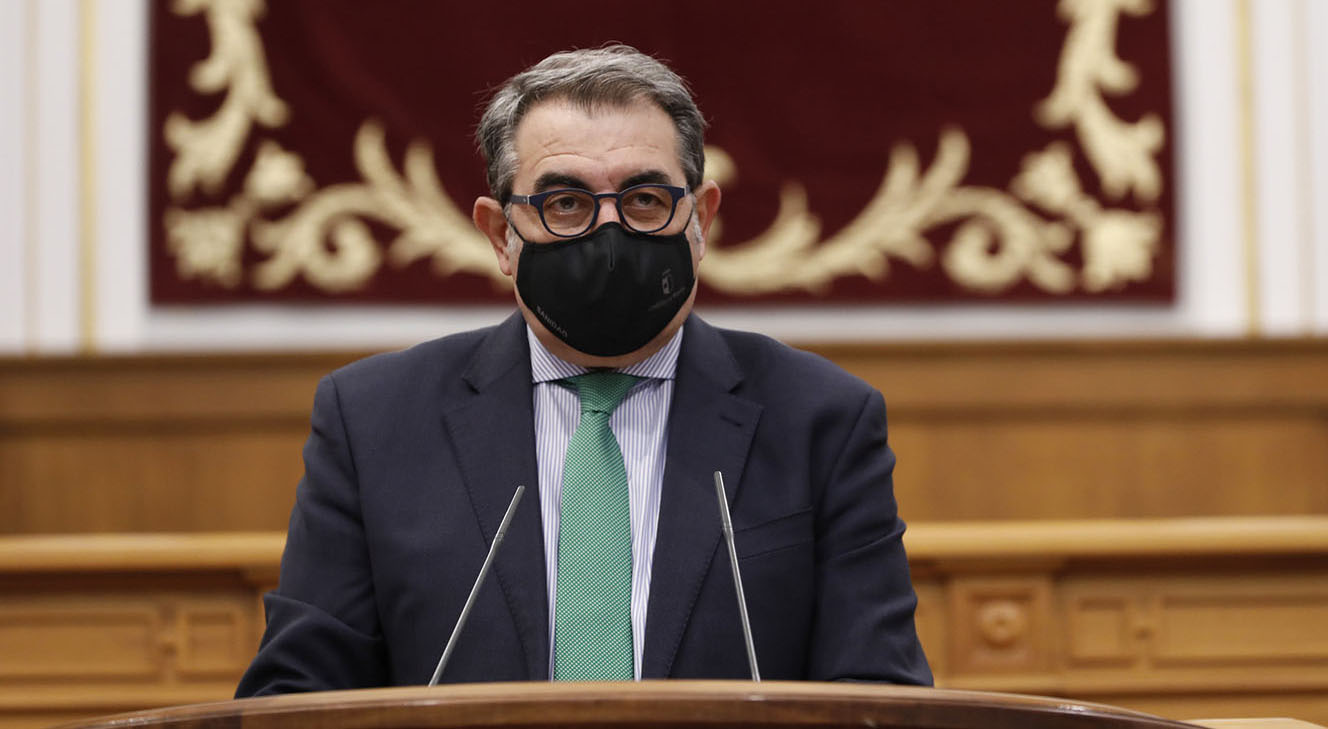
x=727, y=523
x=475, y=589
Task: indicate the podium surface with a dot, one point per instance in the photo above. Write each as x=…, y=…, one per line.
x=708, y=704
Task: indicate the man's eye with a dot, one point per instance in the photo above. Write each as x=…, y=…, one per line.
x=644, y=201
x=565, y=204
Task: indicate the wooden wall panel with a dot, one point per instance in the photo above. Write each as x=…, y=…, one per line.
x=1082, y=466
x=109, y=637
x=163, y=478
x=152, y=444
x=1053, y=430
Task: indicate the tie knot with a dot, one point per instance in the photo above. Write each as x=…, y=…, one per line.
x=601, y=392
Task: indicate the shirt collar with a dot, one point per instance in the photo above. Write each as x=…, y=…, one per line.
x=547, y=367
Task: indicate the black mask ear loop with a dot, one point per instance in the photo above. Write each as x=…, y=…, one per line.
x=513, y=227
x=689, y=216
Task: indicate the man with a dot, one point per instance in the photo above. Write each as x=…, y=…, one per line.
x=614, y=406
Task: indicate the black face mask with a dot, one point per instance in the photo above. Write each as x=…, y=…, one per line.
x=609, y=292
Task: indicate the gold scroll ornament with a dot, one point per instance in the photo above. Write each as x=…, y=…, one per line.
x=1001, y=237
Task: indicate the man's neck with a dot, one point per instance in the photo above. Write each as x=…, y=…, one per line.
x=547, y=365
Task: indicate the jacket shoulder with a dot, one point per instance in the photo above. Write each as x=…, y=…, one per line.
x=767, y=362
x=435, y=367
x=454, y=349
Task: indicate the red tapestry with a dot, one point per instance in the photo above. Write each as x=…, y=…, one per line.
x=869, y=152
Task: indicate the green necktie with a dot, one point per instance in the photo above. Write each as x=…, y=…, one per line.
x=593, y=605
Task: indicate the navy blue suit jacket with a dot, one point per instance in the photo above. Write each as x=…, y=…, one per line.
x=413, y=458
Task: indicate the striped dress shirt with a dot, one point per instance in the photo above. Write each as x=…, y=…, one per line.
x=640, y=425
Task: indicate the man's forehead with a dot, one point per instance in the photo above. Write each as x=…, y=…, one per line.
x=634, y=133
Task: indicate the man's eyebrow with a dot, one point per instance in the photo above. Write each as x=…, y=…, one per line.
x=553, y=180
x=657, y=177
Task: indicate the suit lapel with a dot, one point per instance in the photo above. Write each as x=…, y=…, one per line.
x=710, y=429
x=495, y=444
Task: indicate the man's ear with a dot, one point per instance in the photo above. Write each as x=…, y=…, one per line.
x=488, y=217
x=707, y=207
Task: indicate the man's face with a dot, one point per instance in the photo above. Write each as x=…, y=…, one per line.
x=609, y=149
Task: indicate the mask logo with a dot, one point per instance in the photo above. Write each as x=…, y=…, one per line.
x=666, y=282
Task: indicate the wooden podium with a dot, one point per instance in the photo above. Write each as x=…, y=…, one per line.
x=650, y=704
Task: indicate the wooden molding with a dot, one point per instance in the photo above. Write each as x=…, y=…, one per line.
x=714, y=704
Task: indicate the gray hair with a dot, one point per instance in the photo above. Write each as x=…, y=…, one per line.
x=614, y=75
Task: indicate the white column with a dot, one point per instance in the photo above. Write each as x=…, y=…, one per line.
x=1316, y=77
x=1206, y=131
x=1280, y=160
x=120, y=118
x=15, y=195
x=56, y=145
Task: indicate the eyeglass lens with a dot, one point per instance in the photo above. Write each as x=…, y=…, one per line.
x=644, y=208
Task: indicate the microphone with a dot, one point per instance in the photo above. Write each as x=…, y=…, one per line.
x=727, y=523
x=475, y=589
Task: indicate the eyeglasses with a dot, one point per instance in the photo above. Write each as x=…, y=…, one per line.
x=570, y=212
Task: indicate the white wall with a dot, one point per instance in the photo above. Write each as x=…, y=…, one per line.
x=1252, y=194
